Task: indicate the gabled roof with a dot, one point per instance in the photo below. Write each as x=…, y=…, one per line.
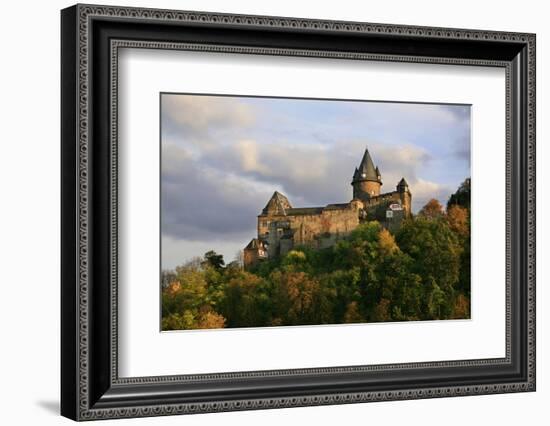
x=254, y=244
x=278, y=205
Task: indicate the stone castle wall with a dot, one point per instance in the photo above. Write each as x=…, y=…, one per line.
x=319, y=227
x=316, y=228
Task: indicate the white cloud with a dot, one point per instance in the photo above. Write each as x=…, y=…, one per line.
x=423, y=191
x=201, y=112
x=316, y=174
x=248, y=153
x=201, y=203
x=407, y=114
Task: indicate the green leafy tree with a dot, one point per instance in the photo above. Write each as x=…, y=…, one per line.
x=247, y=301
x=188, y=292
x=176, y=321
x=214, y=259
x=435, y=251
x=462, y=195
x=401, y=286
x=295, y=260
x=341, y=289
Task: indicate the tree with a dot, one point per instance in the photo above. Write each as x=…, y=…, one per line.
x=382, y=311
x=341, y=289
x=432, y=210
x=461, y=307
x=176, y=321
x=166, y=278
x=183, y=298
x=435, y=251
x=210, y=319
x=361, y=249
x=247, y=301
x=387, y=243
x=462, y=195
x=437, y=302
x=295, y=260
x=459, y=222
x=214, y=259
x=457, y=216
x=352, y=313
x=400, y=286
x=298, y=299
x=188, y=292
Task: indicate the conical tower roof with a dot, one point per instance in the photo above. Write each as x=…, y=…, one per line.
x=402, y=182
x=403, y=186
x=366, y=170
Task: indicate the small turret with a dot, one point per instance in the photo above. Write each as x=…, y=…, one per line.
x=403, y=186
x=405, y=196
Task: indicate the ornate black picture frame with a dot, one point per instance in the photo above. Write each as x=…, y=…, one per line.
x=91, y=387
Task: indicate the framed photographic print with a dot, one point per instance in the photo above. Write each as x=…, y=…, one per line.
x=263, y=212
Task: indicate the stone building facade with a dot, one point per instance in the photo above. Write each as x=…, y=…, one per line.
x=282, y=227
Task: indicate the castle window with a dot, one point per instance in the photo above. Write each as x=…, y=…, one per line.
x=280, y=232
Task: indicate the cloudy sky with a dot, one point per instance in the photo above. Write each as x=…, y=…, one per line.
x=223, y=157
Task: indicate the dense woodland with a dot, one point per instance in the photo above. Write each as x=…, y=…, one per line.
x=422, y=272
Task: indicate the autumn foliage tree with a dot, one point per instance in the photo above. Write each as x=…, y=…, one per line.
x=458, y=219
x=432, y=210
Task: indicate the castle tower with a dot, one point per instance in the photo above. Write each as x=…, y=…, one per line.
x=405, y=196
x=366, y=179
x=277, y=206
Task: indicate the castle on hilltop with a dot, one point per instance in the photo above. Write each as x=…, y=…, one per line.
x=281, y=227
